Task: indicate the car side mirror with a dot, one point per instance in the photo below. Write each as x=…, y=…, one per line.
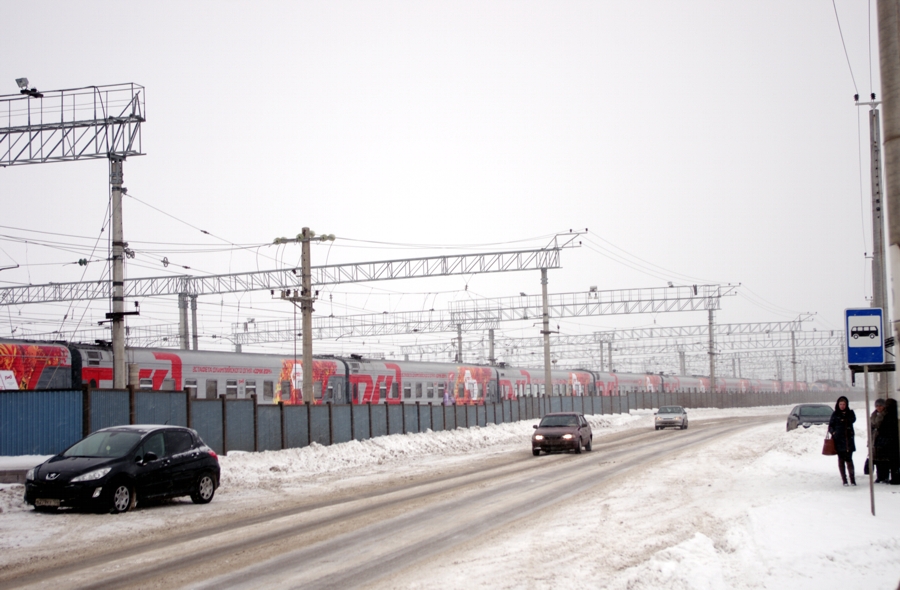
x=150, y=457
x=535, y=426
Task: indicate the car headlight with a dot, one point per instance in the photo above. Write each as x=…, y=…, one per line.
x=29, y=475
x=538, y=437
x=91, y=475
x=567, y=437
x=658, y=418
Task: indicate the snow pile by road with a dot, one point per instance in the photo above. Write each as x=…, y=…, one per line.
x=763, y=509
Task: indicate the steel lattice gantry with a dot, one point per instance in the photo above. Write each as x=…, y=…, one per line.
x=95, y=122
x=272, y=280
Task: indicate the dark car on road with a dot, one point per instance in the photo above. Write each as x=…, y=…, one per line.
x=561, y=431
x=671, y=416
x=806, y=415
x=112, y=468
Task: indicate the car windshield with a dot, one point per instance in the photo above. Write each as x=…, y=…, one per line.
x=113, y=444
x=812, y=411
x=670, y=410
x=560, y=421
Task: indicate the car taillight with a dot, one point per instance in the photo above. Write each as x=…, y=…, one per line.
x=212, y=454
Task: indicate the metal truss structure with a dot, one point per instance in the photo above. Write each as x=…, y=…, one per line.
x=95, y=122
x=277, y=280
x=594, y=303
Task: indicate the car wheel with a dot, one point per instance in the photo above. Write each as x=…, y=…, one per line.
x=535, y=452
x=590, y=442
x=578, y=447
x=204, y=489
x=656, y=428
x=121, y=497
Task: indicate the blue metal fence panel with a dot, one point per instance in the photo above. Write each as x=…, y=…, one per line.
x=296, y=426
x=629, y=402
x=318, y=424
x=437, y=418
x=555, y=404
x=39, y=422
x=379, y=420
x=395, y=419
x=491, y=413
x=361, y=428
x=269, y=423
x=471, y=416
x=423, y=417
x=239, y=425
x=410, y=418
x=160, y=407
x=109, y=408
x=341, y=426
x=206, y=419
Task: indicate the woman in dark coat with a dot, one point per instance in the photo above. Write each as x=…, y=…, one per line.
x=841, y=429
x=887, y=446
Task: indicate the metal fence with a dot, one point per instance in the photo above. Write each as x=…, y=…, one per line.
x=47, y=422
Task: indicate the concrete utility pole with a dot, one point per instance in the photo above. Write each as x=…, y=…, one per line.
x=793, y=360
x=889, y=55
x=306, y=300
x=548, y=382
x=120, y=376
x=491, y=360
x=459, y=350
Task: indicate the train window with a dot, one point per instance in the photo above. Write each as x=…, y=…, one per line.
x=382, y=390
x=441, y=388
x=407, y=391
x=250, y=388
x=418, y=390
x=395, y=390
x=268, y=390
x=168, y=385
x=212, y=389
x=317, y=389
x=231, y=388
x=146, y=384
x=430, y=391
x=93, y=357
x=190, y=386
x=330, y=393
x=460, y=391
x=285, y=391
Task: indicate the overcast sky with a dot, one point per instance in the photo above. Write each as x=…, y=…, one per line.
x=699, y=142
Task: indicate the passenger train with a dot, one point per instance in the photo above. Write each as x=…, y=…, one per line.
x=277, y=378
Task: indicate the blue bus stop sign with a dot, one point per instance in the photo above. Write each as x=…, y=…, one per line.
x=864, y=331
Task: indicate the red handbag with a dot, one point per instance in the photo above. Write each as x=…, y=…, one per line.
x=828, y=447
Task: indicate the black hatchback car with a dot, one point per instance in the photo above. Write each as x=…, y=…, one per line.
x=112, y=468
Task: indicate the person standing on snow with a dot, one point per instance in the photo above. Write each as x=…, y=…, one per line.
x=841, y=429
x=880, y=460
x=889, y=441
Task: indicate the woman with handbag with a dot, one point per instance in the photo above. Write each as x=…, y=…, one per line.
x=840, y=427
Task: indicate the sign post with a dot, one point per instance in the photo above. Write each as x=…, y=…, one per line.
x=864, y=330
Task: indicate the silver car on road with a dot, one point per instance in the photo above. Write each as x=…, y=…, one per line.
x=671, y=416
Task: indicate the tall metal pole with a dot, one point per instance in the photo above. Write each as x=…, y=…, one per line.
x=491, y=358
x=871, y=446
x=793, y=361
x=548, y=382
x=194, y=338
x=459, y=351
x=183, y=336
x=681, y=363
x=120, y=376
x=306, y=309
x=712, y=350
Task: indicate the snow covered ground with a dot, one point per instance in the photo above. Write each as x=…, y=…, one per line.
x=763, y=509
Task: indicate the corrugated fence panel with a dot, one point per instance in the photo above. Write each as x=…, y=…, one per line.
x=269, y=422
x=318, y=423
x=471, y=416
x=394, y=419
x=160, y=407
x=379, y=420
x=206, y=419
x=424, y=417
x=361, y=428
x=296, y=426
x=239, y=425
x=410, y=418
x=492, y=413
x=39, y=422
x=340, y=415
x=459, y=415
x=109, y=408
x=437, y=418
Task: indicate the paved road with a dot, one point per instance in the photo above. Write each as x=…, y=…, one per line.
x=369, y=533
